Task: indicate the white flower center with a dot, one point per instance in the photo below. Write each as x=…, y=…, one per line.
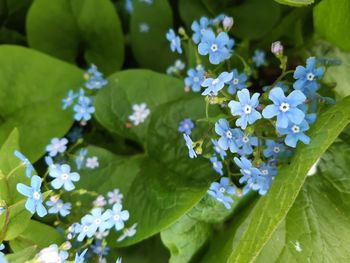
x=202, y=30
x=229, y=134
x=247, y=109
x=64, y=176
x=276, y=149
x=310, y=76
x=295, y=129
x=36, y=195
x=195, y=79
x=222, y=190
x=245, y=139
x=284, y=107
x=85, y=228
x=116, y=217
x=214, y=47
x=265, y=172
x=235, y=81
x=215, y=81
x=98, y=221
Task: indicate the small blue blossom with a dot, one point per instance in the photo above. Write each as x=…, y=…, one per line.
x=63, y=177
x=57, y=146
x=219, y=48
x=306, y=77
x=175, y=41
x=295, y=133
x=95, y=79
x=58, y=206
x=218, y=19
x=118, y=217
x=67, y=101
x=246, y=143
x=273, y=149
x=199, y=28
x=129, y=7
x=259, y=58
x=217, y=165
x=80, y=258
x=228, y=136
x=99, y=249
x=309, y=117
x=245, y=108
x=2, y=247
x=144, y=27
x=79, y=160
x=98, y=220
x=26, y=162
x=268, y=170
x=238, y=82
x=222, y=191
x=218, y=149
x=285, y=108
x=83, y=229
x=83, y=109
x=175, y=69
x=128, y=232
x=189, y=144
x=213, y=86
x=249, y=172
x=186, y=126
x=195, y=78
x=35, y=200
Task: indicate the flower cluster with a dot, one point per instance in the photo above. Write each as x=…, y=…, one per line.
x=263, y=124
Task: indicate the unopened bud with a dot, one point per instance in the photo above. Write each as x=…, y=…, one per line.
x=182, y=31
x=227, y=23
x=277, y=48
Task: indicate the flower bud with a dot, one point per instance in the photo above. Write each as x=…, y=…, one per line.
x=277, y=48
x=227, y=23
x=182, y=31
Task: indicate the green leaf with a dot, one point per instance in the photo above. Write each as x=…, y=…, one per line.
x=151, y=49
x=247, y=237
x=22, y=256
x=64, y=29
x=310, y=232
x=36, y=234
x=191, y=10
x=297, y=3
x=114, y=103
x=254, y=18
x=332, y=22
x=36, y=84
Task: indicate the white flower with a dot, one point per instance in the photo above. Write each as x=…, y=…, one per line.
x=115, y=197
x=92, y=162
x=143, y=27
x=128, y=232
x=140, y=113
x=57, y=146
x=51, y=254
x=100, y=201
x=313, y=169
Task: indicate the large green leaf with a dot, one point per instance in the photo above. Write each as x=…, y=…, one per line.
x=65, y=28
x=31, y=89
x=151, y=49
x=332, y=21
x=318, y=225
x=191, y=10
x=297, y=3
x=248, y=236
x=114, y=103
x=22, y=256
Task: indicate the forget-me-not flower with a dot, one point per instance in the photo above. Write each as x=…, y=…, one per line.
x=57, y=146
x=189, y=144
x=26, y=162
x=115, y=197
x=213, y=86
x=128, y=232
x=186, y=126
x=79, y=159
x=222, y=191
x=84, y=109
x=195, y=78
x=57, y=206
x=295, y=133
x=237, y=82
x=259, y=57
x=273, y=149
x=199, y=28
x=217, y=165
x=34, y=202
x=285, y=108
x=228, y=135
x=69, y=99
x=245, y=108
x=249, y=172
x=219, y=150
x=118, y=217
x=175, y=41
x=140, y=113
x=98, y=220
x=92, y=162
x=246, y=143
x=63, y=177
x=95, y=79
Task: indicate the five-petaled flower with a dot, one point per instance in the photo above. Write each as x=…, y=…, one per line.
x=222, y=191
x=57, y=146
x=213, y=86
x=175, y=41
x=195, y=78
x=189, y=144
x=228, y=136
x=26, y=162
x=295, y=133
x=118, y=217
x=199, y=28
x=63, y=177
x=186, y=126
x=237, y=82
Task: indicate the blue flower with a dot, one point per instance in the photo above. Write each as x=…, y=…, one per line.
x=195, y=78
x=118, y=217
x=98, y=220
x=80, y=258
x=63, y=177
x=83, y=229
x=94, y=78
x=57, y=146
x=217, y=165
x=246, y=143
x=307, y=76
x=189, y=144
x=218, y=19
x=67, y=101
x=218, y=149
x=35, y=200
x=57, y=206
x=245, y=108
x=99, y=249
x=267, y=170
x=273, y=149
x=295, y=133
x=228, y=136
x=129, y=7
x=238, y=82
x=219, y=48
x=199, y=29
x=259, y=58
x=249, y=172
x=83, y=109
x=222, y=191
x=2, y=247
x=79, y=160
x=285, y=108
x=213, y=86
x=26, y=162
x=309, y=117
x=119, y=260
x=186, y=126
x=175, y=41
